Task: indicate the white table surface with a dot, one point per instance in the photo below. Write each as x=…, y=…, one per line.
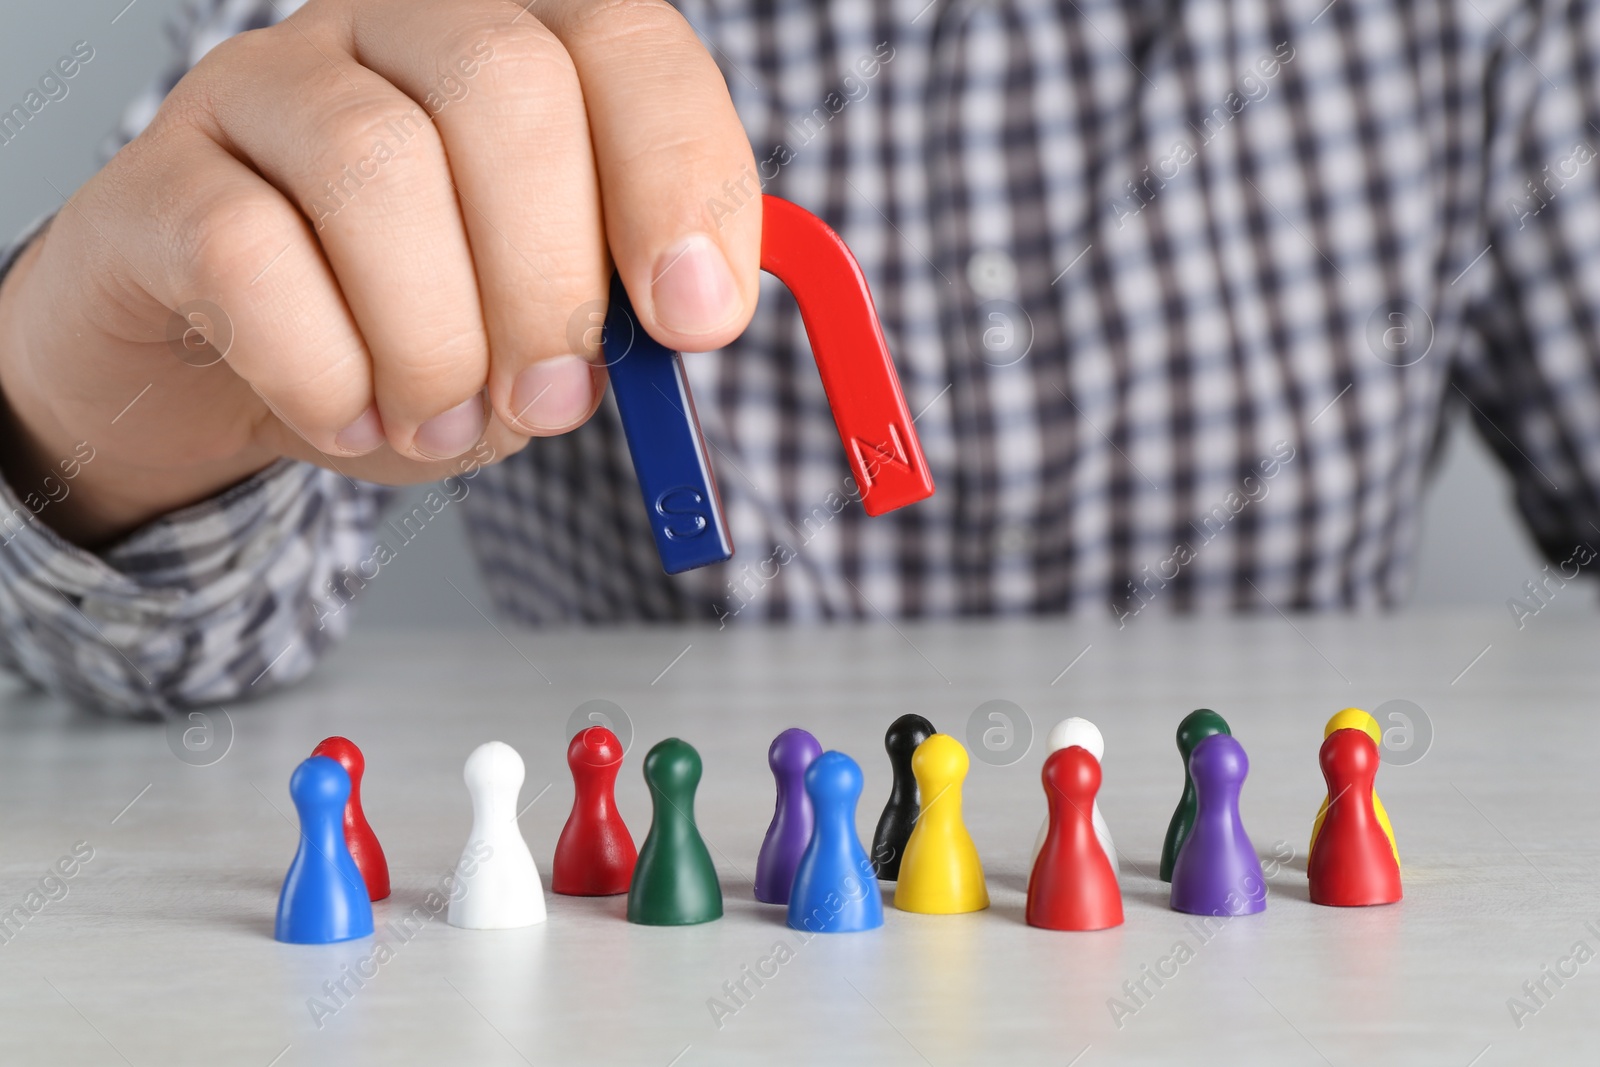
x=162, y=952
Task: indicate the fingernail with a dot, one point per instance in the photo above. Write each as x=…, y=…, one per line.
x=553, y=394
x=362, y=436
x=452, y=433
x=692, y=287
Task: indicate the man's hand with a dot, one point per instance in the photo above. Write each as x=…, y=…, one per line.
x=372, y=237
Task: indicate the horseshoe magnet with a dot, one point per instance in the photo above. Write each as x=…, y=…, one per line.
x=858, y=375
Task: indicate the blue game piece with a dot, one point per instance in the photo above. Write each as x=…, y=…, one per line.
x=664, y=439
x=835, y=890
x=324, y=898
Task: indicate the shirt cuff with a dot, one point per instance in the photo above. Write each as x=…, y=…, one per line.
x=214, y=602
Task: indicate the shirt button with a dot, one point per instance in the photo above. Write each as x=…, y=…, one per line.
x=992, y=274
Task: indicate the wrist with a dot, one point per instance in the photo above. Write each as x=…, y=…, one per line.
x=82, y=485
x=28, y=430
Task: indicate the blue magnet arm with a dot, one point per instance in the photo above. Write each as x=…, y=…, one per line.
x=664, y=439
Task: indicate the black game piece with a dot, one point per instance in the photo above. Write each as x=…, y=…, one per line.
x=900, y=813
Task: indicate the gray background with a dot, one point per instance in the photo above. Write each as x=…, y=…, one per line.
x=1473, y=550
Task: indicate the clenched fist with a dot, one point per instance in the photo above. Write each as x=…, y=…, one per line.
x=372, y=237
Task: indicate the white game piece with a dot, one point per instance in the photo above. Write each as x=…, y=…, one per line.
x=501, y=887
x=1086, y=735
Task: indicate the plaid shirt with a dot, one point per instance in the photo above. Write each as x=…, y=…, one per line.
x=1181, y=294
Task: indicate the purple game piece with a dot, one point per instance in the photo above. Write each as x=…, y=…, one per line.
x=1217, y=871
x=791, y=753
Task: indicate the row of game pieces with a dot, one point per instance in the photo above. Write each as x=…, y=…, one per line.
x=812, y=861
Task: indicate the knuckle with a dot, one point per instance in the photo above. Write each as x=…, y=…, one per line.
x=335, y=376
x=699, y=156
x=233, y=62
x=359, y=131
x=230, y=240
x=186, y=106
x=579, y=274
x=573, y=320
x=248, y=50
x=334, y=389
x=438, y=372
x=523, y=54
x=542, y=72
x=626, y=18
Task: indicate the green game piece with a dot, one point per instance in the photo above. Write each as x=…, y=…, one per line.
x=674, y=882
x=1195, y=728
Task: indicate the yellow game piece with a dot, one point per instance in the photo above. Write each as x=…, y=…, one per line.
x=1356, y=719
x=940, y=873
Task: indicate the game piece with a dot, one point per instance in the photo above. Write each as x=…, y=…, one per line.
x=501, y=889
x=595, y=853
x=791, y=753
x=941, y=873
x=1217, y=871
x=835, y=891
x=1195, y=728
x=323, y=898
x=1352, y=862
x=900, y=813
x=358, y=835
x=1086, y=735
x=1356, y=719
x=674, y=882
x=1073, y=885
x=664, y=439
x=858, y=374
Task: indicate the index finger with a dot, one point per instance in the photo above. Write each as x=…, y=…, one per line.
x=669, y=147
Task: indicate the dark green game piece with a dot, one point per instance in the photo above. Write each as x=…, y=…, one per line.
x=674, y=882
x=1195, y=728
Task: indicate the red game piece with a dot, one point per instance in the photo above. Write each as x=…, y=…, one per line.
x=1352, y=863
x=852, y=356
x=595, y=853
x=1073, y=886
x=358, y=835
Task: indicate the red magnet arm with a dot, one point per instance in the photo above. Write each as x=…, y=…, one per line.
x=858, y=374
